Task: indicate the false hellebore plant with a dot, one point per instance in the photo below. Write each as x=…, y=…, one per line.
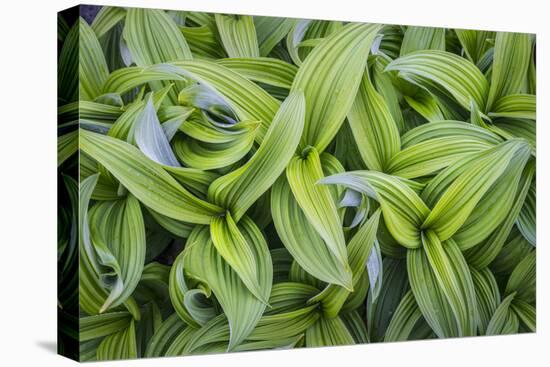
x=252, y=182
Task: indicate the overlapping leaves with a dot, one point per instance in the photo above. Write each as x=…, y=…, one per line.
x=254, y=182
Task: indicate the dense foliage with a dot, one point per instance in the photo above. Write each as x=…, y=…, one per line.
x=255, y=182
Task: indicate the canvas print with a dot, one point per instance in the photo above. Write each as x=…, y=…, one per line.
x=231, y=183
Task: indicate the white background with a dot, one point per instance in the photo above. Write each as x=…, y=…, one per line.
x=28, y=188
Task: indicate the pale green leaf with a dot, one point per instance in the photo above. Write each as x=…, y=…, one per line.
x=106, y=19
x=374, y=129
x=422, y=38
x=238, y=190
x=93, y=70
x=471, y=178
x=328, y=332
x=441, y=70
x=146, y=180
x=239, y=253
x=317, y=203
x=330, y=78
x=402, y=208
x=270, y=31
x=302, y=240
x=203, y=262
x=510, y=64
x=121, y=345
x=238, y=35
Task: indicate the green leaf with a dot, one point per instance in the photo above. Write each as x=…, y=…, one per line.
x=203, y=262
x=356, y=326
x=422, y=38
x=522, y=281
x=483, y=254
x=330, y=78
x=302, y=240
x=493, y=207
x=200, y=95
x=106, y=187
x=153, y=285
x=431, y=156
x=67, y=145
x=199, y=127
x=67, y=245
x=92, y=294
x=380, y=311
x=250, y=102
x=264, y=70
x=270, y=31
x=164, y=336
x=288, y=315
x=457, y=129
x=190, y=339
x=113, y=45
x=517, y=128
x=239, y=253
x=487, y=296
x=126, y=79
x=124, y=126
x=106, y=19
x=526, y=314
x=182, y=296
x=151, y=139
x=504, y=320
x=203, y=42
x=474, y=43
x=278, y=344
x=328, y=332
x=88, y=350
x=177, y=228
x=532, y=72
x=146, y=180
x=317, y=203
x=526, y=221
x=471, y=178
x=515, y=249
x=118, y=238
x=510, y=64
x=238, y=35
x=238, y=190
x=295, y=37
x=153, y=37
x=405, y=317
x=206, y=156
x=454, y=278
x=62, y=28
x=92, y=327
x=374, y=129
x=385, y=85
x=441, y=70
x=150, y=322
x=429, y=296
x=360, y=249
x=521, y=106
x=403, y=210
x=93, y=70
x=121, y=345
x=68, y=67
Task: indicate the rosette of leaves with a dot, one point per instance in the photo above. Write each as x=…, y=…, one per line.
x=253, y=182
